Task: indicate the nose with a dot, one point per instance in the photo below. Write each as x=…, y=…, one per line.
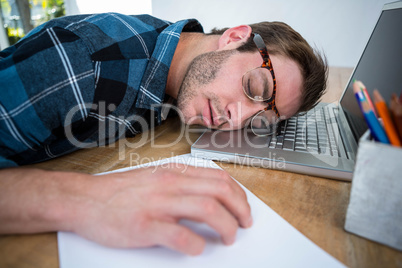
x=240, y=112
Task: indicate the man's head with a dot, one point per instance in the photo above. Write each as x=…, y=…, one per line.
x=212, y=92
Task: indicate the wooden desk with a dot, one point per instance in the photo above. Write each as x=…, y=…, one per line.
x=315, y=206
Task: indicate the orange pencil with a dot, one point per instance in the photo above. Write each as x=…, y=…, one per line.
x=383, y=112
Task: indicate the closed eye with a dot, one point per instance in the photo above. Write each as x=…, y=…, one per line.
x=248, y=87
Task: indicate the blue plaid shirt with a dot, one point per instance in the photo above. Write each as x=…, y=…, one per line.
x=83, y=81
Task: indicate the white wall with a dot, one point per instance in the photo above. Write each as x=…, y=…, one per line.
x=129, y=7
x=339, y=27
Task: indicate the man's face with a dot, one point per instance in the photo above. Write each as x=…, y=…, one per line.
x=212, y=94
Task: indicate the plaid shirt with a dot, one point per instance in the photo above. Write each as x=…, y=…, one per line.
x=83, y=81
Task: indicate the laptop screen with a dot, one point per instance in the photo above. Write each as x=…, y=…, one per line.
x=380, y=67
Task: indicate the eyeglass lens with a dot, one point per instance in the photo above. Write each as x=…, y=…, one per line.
x=258, y=84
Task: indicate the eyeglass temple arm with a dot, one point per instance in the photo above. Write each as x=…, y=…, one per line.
x=263, y=49
x=259, y=42
x=272, y=106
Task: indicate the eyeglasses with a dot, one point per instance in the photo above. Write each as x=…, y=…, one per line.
x=259, y=85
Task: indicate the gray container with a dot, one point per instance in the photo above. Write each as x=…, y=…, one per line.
x=375, y=206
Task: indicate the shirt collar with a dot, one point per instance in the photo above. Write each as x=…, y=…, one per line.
x=153, y=84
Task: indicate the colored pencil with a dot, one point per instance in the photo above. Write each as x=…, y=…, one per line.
x=366, y=95
x=383, y=112
x=377, y=131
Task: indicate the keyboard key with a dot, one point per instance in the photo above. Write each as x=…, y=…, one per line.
x=323, y=143
x=312, y=148
x=325, y=151
x=325, y=147
x=288, y=144
x=312, y=140
x=302, y=150
x=289, y=136
x=312, y=134
x=300, y=142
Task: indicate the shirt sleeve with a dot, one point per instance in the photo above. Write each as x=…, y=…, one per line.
x=47, y=82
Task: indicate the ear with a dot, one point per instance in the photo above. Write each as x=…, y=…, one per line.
x=234, y=37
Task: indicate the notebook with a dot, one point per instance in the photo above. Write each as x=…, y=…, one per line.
x=322, y=142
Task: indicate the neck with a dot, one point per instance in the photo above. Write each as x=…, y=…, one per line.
x=190, y=46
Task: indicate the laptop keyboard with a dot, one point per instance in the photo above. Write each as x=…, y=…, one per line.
x=313, y=132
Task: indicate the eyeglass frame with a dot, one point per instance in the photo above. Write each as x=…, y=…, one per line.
x=267, y=63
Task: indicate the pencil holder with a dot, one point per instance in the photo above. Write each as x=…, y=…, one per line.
x=375, y=205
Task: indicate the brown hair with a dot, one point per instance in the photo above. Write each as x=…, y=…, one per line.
x=283, y=40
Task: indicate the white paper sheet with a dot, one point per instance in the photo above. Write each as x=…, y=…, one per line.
x=270, y=242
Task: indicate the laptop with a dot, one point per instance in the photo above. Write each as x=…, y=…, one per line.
x=324, y=141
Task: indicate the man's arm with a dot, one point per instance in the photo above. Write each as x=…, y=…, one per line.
x=138, y=208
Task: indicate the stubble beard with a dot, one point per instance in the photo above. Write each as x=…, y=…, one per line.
x=201, y=72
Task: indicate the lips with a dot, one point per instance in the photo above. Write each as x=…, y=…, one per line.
x=211, y=112
x=207, y=115
x=210, y=117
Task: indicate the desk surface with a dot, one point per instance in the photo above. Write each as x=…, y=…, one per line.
x=314, y=206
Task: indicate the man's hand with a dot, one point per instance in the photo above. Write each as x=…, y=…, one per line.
x=138, y=208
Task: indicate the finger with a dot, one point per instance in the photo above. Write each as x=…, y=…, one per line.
x=215, y=183
x=176, y=237
x=202, y=209
x=195, y=172
x=220, y=174
x=191, y=171
x=224, y=189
